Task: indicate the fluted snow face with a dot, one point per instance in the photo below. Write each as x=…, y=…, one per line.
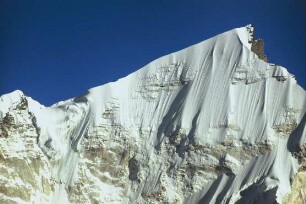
x=209, y=124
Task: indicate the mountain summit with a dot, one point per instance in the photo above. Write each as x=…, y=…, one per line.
x=212, y=123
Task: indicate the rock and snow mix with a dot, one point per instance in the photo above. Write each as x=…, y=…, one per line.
x=212, y=123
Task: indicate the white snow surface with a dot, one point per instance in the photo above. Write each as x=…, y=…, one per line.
x=215, y=95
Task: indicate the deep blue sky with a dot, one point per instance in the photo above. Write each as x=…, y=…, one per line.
x=55, y=50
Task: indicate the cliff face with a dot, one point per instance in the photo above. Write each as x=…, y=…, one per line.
x=258, y=48
x=257, y=45
x=212, y=123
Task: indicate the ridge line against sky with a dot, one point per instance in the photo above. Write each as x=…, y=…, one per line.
x=57, y=50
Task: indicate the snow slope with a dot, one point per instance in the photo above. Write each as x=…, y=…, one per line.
x=211, y=123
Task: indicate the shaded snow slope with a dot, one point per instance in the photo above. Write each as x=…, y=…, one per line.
x=208, y=124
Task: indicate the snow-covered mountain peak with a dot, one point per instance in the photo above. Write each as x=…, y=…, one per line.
x=7, y=100
x=207, y=124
